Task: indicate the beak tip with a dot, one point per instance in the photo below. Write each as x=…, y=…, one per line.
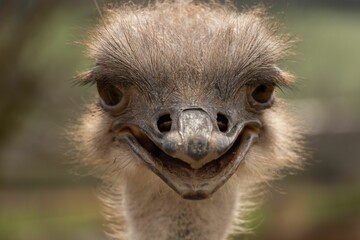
x=198, y=148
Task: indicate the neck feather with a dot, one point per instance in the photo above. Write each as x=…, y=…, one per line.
x=153, y=211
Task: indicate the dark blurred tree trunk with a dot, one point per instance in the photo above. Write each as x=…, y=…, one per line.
x=19, y=86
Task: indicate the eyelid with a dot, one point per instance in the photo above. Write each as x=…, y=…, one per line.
x=264, y=81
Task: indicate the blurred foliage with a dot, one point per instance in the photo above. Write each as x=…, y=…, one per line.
x=39, y=199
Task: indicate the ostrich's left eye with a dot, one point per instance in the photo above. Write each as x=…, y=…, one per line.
x=261, y=96
x=112, y=98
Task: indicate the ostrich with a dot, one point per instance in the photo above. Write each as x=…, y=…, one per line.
x=187, y=128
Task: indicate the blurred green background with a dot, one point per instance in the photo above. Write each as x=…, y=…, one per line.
x=41, y=200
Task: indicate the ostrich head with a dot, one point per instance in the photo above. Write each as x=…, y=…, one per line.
x=187, y=92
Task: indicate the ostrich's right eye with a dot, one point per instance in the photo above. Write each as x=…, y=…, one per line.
x=112, y=98
x=261, y=96
x=263, y=93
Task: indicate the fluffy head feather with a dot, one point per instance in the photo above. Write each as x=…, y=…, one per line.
x=183, y=47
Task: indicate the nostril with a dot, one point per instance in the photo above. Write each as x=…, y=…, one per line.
x=222, y=122
x=164, y=123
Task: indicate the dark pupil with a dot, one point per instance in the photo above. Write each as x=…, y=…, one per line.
x=109, y=93
x=263, y=93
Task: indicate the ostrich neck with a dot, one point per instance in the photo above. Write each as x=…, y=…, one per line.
x=154, y=211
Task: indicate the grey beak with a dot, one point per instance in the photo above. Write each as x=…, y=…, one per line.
x=196, y=141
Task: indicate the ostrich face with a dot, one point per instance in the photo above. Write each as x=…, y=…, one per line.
x=193, y=143
x=187, y=93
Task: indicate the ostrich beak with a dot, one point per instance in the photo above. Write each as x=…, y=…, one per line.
x=194, y=158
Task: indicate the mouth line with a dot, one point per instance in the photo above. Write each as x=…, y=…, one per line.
x=194, y=184
x=182, y=169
